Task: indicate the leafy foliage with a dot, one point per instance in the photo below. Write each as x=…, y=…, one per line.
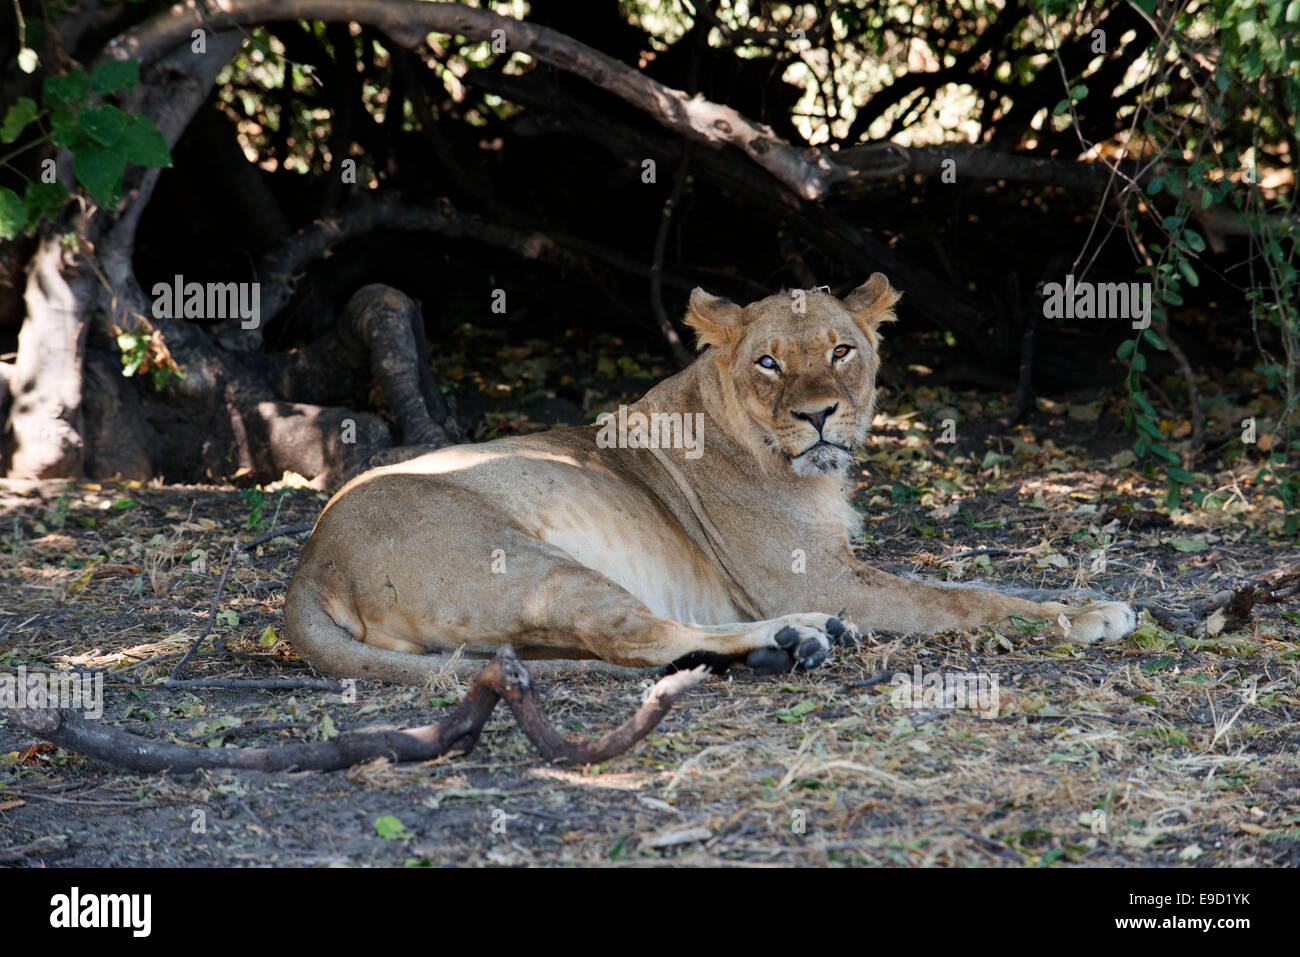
x=101, y=137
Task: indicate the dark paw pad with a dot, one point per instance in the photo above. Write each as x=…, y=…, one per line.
x=812, y=651
x=770, y=661
x=842, y=634
x=787, y=637
x=715, y=662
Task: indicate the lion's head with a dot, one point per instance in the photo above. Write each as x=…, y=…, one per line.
x=797, y=370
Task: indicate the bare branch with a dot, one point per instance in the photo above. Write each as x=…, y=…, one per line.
x=504, y=677
x=809, y=172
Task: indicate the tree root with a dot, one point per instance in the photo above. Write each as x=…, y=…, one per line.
x=504, y=677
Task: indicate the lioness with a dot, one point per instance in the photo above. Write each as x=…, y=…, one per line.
x=571, y=544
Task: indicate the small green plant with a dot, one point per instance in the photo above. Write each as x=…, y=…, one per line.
x=255, y=499
x=142, y=350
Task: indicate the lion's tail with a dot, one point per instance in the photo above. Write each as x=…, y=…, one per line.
x=331, y=648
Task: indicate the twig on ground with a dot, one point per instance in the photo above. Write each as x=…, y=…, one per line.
x=871, y=682
x=998, y=848
x=1112, y=718
x=973, y=552
x=174, y=680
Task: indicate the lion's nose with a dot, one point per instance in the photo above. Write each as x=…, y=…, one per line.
x=818, y=419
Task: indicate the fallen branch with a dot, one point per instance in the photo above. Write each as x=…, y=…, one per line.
x=1230, y=608
x=515, y=684
x=17, y=853
x=504, y=677
x=1270, y=588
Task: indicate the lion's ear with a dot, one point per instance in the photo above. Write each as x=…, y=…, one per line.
x=716, y=321
x=873, y=303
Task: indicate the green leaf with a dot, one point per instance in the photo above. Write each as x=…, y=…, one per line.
x=161, y=376
x=1126, y=348
x=1151, y=667
x=1156, y=185
x=62, y=121
x=18, y=116
x=1188, y=272
x=1194, y=241
x=1150, y=336
x=104, y=125
x=1180, y=475
x=1060, y=107
x=100, y=170
x=269, y=637
x=1078, y=92
x=392, y=829
x=1139, y=362
x=13, y=213
x=805, y=707
x=1191, y=545
x=70, y=90
x=114, y=74
x=1161, y=452
x=44, y=198
x=144, y=144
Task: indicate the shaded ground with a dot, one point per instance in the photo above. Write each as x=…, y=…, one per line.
x=1189, y=748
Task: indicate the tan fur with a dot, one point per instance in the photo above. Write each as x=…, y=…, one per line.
x=638, y=556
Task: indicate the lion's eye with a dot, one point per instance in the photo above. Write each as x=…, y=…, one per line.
x=841, y=351
x=767, y=362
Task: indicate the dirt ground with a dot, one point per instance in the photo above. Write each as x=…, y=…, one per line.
x=1162, y=749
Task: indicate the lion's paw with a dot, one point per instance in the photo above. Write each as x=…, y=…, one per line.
x=801, y=641
x=808, y=646
x=1100, y=621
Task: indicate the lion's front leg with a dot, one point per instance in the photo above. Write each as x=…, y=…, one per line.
x=882, y=602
